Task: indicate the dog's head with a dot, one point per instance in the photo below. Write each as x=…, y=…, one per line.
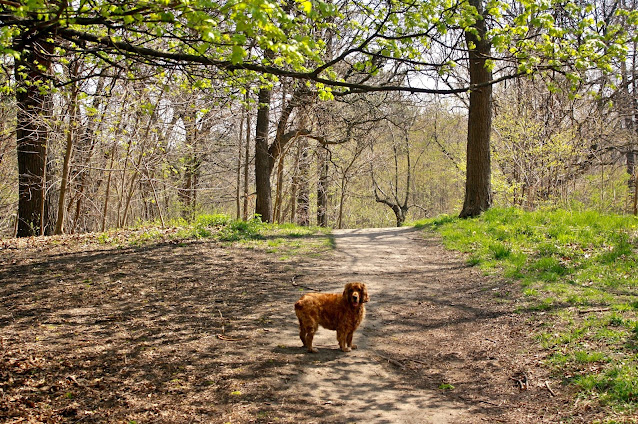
x=356, y=294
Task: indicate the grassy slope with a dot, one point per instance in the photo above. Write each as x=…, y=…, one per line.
x=581, y=269
x=286, y=240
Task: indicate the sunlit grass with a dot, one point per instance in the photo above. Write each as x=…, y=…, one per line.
x=285, y=240
x=579, y=267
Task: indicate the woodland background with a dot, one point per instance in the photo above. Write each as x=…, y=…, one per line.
x=131, y=142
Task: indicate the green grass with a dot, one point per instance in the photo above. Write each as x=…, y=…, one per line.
x=285, y=240
x=580, y=270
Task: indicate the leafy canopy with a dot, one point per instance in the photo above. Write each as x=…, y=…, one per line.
x=333, y=43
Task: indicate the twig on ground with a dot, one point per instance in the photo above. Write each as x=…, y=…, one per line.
x=587, y=311
x=417, y=361
x=222, y=318
x=399, y=363
x=390, y=360
x=490, y=403
x=550, y=389
x=230, y=339
x=294, y=283
x=73, y=379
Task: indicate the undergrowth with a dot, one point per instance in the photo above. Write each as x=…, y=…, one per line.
x=581, y=268
x=284, y=239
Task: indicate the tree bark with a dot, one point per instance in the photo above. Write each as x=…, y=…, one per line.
x=70, y=136
x=263, y=206
x=105, y=209
x=628, y=110
x=240, y=152
x=322, y=187
x=33, y=108
x=303, y=192
x=278, y=189
x=266, y=154
x=192, y=167
x=86, y=148
x=478, y=185
x=246, y=165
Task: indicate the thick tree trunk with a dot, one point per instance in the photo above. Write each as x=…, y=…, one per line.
x=32, y=137
x=478, y=185
x=266, y=155
x=263, y=206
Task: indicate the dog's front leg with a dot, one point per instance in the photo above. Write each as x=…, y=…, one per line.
x=343, y=342
x=349, y=341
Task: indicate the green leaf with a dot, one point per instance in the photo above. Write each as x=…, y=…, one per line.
x=237, y=55
x=306, y=6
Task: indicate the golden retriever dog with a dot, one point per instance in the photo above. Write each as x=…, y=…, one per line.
x=333, y=311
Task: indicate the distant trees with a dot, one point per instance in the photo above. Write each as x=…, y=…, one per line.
x=395, y=193
x=330, y=48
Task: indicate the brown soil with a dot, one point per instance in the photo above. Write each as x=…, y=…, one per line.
x=199, y=332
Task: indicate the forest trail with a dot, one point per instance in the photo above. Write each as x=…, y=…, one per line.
x=363, y=384
x=196, y=331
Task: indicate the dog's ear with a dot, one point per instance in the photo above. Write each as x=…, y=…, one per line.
x=366, y=298
x=347, y=290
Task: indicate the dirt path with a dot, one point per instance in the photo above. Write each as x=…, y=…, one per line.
x=197, y=332
x=360, y=383
x=440, y=343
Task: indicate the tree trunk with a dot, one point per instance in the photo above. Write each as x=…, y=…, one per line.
x=400, y=209
x=87, y=146
x=266, y=155
x=71, y=133
x=110, y=170
x=187, y=193
x=478, y=185
x=628, y=110
x=33, y=108
x=105, y=209
x=294, y=186
x=322, y=187
x=263, y=204
x=240, y=152
x=279, y=188
x=127, y=158
x=303, y=193
x=131, y=188
x=342, y=200
x=246, y=164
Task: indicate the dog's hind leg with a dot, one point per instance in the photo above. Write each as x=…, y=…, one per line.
x=309, y=335
x=302, y=332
